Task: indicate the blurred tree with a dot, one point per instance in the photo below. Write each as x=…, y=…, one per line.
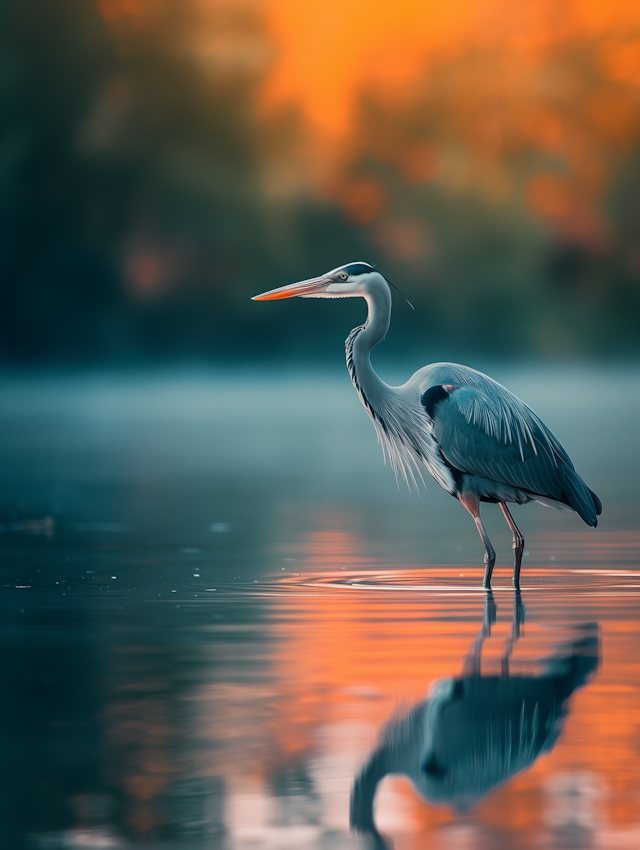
x=145, y=193
x=133, y=216
x=504, y=232
x=55, y=278
x=125, y=176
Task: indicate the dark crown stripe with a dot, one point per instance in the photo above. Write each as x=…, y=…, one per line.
x=355, y=269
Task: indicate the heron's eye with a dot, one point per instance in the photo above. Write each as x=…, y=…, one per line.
x=343, y=275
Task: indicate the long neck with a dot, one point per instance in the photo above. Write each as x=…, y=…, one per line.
x=362, y=340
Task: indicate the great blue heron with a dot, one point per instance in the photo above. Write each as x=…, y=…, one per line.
x=477, y=439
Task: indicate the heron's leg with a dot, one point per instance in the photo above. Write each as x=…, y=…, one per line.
x=518, y=621
x=473, y=661
x=518, y=544
x=472, y=504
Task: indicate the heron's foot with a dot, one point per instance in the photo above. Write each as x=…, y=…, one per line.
x=516, y=572
x=518, y=552
x=489, y=562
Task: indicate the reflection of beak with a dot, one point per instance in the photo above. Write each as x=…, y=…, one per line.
x=314, y=286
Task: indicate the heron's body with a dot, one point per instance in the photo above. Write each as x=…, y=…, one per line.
x=479, y=441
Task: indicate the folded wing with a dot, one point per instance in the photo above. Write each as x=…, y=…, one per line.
x=494, y=435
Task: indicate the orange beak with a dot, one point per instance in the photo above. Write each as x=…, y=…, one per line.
x=314, y=286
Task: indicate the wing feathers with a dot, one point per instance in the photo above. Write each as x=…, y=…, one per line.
x=583, y=501
x=492, y=434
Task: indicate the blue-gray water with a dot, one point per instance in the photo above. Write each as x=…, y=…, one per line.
x=215, y=597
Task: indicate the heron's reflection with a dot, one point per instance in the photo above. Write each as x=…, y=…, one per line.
x=474, y=732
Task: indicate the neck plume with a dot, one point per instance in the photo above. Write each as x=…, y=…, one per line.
x=394, y=424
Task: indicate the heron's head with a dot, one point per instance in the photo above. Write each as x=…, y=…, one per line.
x=348, y=281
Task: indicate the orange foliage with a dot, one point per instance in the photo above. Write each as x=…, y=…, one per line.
x=549, y=195
x=533, y=102
x=499, y=78
x=331, y=51
x=363, y=199
x=467, y=90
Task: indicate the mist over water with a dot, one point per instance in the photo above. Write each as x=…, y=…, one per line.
x=215, y=597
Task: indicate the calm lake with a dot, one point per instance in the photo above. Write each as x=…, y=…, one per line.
x=220, y=615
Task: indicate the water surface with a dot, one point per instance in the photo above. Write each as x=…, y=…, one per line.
x=218, y=609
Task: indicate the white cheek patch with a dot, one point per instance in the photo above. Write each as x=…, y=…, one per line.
x=328, y=294
x=339, y=289
x=335, y=290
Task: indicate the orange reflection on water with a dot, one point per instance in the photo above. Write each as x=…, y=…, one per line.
x=348, y=652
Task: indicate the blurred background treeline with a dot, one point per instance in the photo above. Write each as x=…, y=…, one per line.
x=163, y=160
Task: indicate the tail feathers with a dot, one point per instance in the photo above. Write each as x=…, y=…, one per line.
x=581, y=498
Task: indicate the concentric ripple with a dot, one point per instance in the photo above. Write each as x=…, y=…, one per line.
x=447, y=580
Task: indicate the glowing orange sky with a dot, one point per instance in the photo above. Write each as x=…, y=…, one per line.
x=466, y=89
x=559, y=79
x=329, y=51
